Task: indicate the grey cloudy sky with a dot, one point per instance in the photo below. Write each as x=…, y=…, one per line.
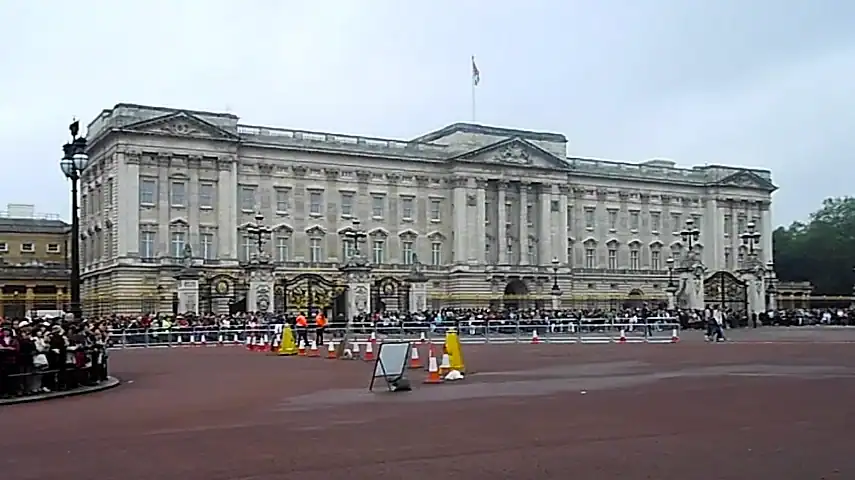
x=759, y=83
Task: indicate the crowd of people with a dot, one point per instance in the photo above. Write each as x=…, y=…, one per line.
x=47, y=355
x=44, y=355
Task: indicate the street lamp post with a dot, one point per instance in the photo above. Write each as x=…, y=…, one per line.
x=556, y=289
x=671, y=289
x=260, y=232
x=750, y=238
x=691, y=234
x=356, y=235
x=74, y=160
x=772, y=302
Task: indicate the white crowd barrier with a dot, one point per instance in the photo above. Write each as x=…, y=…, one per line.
x=585, y=331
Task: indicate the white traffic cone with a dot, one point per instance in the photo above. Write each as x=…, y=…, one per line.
x=422, y=338
x=445, y=366
x=203, y=340
x=674, y=336
x=534, y=338
x=622, y=338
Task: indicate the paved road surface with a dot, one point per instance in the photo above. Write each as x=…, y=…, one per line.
x=690, y=410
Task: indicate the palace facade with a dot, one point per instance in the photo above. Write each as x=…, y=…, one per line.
x=487, y=211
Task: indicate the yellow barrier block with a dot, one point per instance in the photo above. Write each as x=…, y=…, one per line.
x=454, y=350
x=288, y=345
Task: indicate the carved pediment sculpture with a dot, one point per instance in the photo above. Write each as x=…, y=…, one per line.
x=513, y=153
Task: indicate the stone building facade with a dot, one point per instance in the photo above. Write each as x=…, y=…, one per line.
x=488, y=211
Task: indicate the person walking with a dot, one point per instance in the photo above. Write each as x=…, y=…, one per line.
x=320, y=327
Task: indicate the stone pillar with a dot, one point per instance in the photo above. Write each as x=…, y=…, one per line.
x=544, y=225
x=523, y=234
x=479, y=249
x=766, y=232
x=261, y=286
x=418, y=288
x=188, y=290
x=563, y=234
x=357, y=276
x=458, y=214
x=712, y=235
x=502, y=226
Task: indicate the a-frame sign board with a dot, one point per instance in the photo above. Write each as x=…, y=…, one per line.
x=391, y=366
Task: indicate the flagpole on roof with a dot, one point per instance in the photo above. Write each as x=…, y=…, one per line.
x=476, y=79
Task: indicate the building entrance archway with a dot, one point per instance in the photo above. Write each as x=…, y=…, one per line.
x=516, y=294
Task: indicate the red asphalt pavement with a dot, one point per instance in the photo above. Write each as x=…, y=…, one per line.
x=690, y=410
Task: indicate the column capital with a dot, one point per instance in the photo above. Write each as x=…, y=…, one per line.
x=565, y=189
x=525, y=187
x=458, y=182
x=502, y=185
x=481, y=183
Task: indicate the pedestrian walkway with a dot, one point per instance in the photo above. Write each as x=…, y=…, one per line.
x=108, y=384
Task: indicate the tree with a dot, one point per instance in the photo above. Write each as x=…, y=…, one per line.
x=821, y=251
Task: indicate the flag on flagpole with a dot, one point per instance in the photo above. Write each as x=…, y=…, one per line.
x=476, y=74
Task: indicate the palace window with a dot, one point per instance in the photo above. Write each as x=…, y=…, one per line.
x=613, y=220
x=316, y=202
x=633, y=259
x=590, y=257
x=655, y=222
x=315, y=250
x=634, y=221
x=246, y=247
x=378, y=204
x=589, y=218
x=436, y=253
x=407, y=208
x=179, y=239
x=378, y=248
x=407, y=252
x=148, y=191
x=206, y=244
x=435, y=210
x=347, y=249
x=206, y=195
x=347, y=204
x=655, y=259
x=613, y=265
x=282, y=248
x=178, y=194
x=147, y=244
x=283, y=204
x=246, y=198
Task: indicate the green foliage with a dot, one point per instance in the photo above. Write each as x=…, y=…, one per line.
x=821, y=251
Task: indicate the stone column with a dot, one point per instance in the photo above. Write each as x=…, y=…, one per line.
x=417, y=280
x=227, y=210
x=563, y=235
x=523, y=243
x=712, y=235
x=188, y=291
x=544, y=225
x=128, y=206
x=261, y=286
x=458, y=214
x=479, y=249
x=357, y=274
x=502, y=227
x=766, y=232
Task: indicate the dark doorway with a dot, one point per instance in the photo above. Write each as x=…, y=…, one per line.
x=635, y=299
x=516, y=294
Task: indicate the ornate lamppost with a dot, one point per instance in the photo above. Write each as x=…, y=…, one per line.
x=772, y=300
x=357, y=236
x=751, y=239
x=671, y=289
x=260, y=270
x=691, y=234
x=752, y=268
x=260, y=233
x=74, y=160
x=556, y=289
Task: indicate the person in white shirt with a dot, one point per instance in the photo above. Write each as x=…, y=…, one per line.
x=718, y=317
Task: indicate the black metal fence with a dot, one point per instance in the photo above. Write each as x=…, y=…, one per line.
x=78, y=367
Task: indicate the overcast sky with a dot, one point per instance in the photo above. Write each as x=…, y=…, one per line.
x=759, y=83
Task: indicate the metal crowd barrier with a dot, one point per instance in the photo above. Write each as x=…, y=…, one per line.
x=655, y=330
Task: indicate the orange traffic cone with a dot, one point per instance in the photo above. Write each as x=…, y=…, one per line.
x=203, y=341
x=235, y=339
x=193, y=340
x=445, y=366
x=355, y=350
x=373, y=339
x=313, y=350
x=220, y=340
x=433, y=372
x=674, y=337
x=622, y=338
x=415, y=361
x=331, y=351
x=534, y=338
x=369, y=352
x=179, y=341
x=422, y=338
x=265, y=344
x=301, y=349
x=249, y=343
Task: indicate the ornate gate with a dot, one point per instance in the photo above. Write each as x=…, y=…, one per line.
x=724, y=289
x=390, y=294
x=308, y=292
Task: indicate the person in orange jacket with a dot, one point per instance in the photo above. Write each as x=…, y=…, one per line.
x=302, y=329
x=320, y=327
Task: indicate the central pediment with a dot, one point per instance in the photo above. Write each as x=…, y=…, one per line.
x=181, y=124
x=747, y=179
x=513, y=152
